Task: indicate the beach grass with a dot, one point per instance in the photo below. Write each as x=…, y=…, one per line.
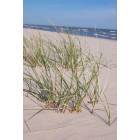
x=61, y=76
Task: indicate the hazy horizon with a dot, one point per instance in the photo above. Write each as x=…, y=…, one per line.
x=67, y=26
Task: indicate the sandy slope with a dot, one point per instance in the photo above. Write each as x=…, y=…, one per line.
x=49, y=125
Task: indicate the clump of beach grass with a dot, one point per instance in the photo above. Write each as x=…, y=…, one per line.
x=61, y=75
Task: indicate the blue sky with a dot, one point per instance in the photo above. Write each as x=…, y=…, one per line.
x=84, y=13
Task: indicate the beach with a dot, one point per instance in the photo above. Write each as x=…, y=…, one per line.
x=50, y=125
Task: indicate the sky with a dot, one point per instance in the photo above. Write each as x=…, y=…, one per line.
x=81, y=13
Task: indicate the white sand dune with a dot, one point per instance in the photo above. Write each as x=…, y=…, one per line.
x=50, y=125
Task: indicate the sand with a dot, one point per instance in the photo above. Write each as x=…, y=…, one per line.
x=49, y=125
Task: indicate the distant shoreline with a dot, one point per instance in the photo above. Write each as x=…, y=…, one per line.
x=110, y=34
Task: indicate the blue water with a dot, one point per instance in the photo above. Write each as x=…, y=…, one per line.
x=92, y=32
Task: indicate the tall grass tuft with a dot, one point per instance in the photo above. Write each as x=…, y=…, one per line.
x=61, y=75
